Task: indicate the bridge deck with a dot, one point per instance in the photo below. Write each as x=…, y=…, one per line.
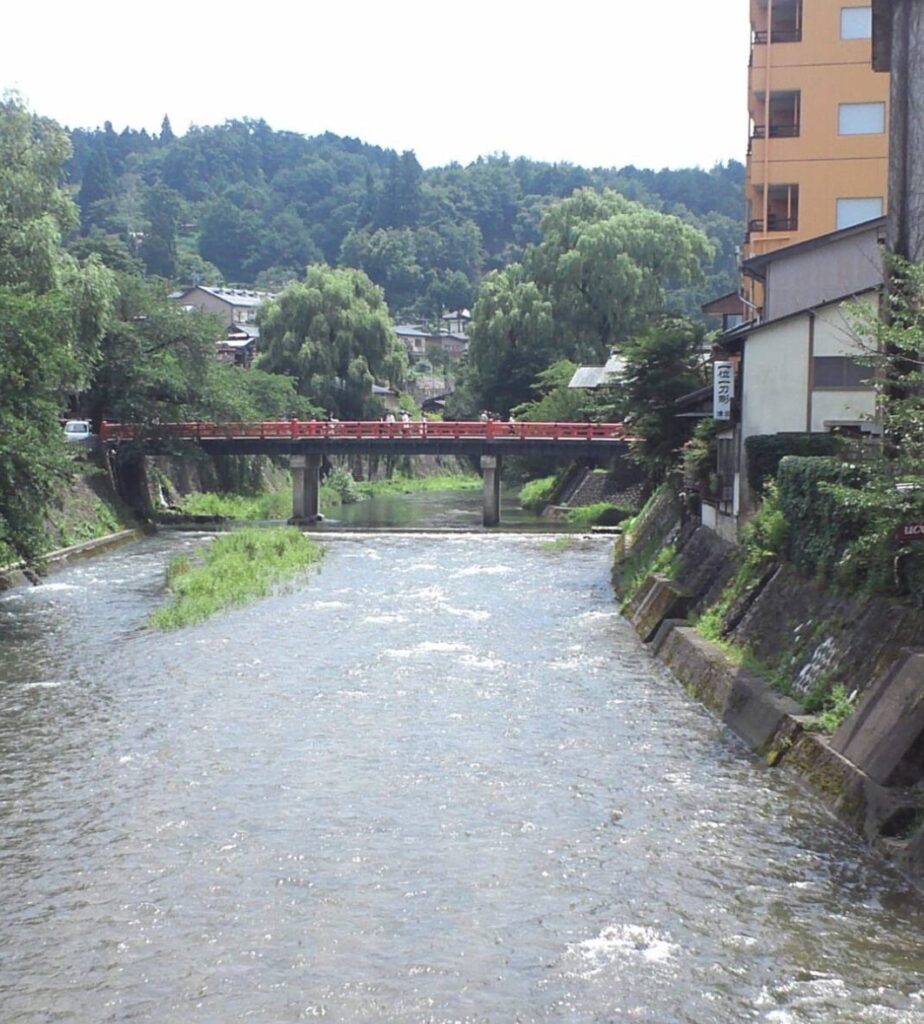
x=294, y=437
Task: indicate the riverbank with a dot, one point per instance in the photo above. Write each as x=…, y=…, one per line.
x=86, y=517
x=824, y=683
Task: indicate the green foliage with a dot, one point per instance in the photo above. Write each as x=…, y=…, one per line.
x=597, y=276
x=654, y=556
x=604, y=263
x=764, y=538
x=699, y=453
x=662, y=364
x=555, y=402
x=601, y=512
x=768, y=532
x=269, y=505
x=332, y=335
x=837, y=706
x=341, y=480
x=158, y=247
x=52, y=314
x=232, y=569
x=257, y=202
x=34, y=209
x=513, y=339
x=411, y=485
x=535, y=494
x=823, y=520
x=764, y=452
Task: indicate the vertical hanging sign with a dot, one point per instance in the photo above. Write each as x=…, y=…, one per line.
x=723, y=390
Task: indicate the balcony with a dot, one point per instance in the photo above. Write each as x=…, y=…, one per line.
x=780, y=35
x=783, y=26
x=777, y=131
x=774, y=223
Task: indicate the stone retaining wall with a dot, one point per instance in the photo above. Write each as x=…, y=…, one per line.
x=871, y=773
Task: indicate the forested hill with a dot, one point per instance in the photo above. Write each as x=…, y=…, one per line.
x=242, y=203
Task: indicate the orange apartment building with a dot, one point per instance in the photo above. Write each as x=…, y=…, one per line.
x=818, y=152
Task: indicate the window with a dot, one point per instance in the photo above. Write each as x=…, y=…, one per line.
x=861, y=118
x=841, y=372
x=855, y=211
x=856, y=22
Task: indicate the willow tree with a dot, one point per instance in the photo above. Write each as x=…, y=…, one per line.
x=604, y=262
x=596, y=279
x=333, y=335
x=53, y=313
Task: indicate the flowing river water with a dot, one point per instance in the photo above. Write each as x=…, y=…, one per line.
x=438, y=780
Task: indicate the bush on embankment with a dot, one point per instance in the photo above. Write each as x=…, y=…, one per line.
x=600, y=513
x=535, y=494
x=232, y=569
x=842, y=520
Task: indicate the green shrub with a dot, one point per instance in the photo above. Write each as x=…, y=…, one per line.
x=836, y=708
x=600, y=513
x=535, y=494
x=340, y=481
x=270, y=505
x=765, y=452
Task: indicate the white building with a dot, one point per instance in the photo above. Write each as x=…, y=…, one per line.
x=801, y=368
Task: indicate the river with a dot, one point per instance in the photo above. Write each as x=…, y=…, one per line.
x=438, y=780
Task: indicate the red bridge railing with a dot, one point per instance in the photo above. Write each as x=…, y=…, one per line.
x=366, y=430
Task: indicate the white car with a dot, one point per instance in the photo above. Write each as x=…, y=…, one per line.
x=78, y=432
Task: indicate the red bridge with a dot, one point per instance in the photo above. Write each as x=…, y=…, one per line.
x=308, y=441
x=365, y=430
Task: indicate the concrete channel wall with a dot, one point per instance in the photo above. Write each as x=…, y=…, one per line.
x=16, y=575
x=870, y=773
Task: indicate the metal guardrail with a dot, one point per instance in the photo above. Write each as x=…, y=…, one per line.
x=364, y=430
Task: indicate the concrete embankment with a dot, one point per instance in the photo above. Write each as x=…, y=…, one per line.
x=784, y=639
x=14, y=575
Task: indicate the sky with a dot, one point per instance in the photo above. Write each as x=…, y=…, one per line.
x=655, y=83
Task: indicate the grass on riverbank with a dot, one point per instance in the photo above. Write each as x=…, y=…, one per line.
x=232, y=569
x=603, y=512
x=418, y=484
x=278, y=504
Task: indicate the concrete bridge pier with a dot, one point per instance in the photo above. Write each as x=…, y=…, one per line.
x=491, y=474
x=306, y=488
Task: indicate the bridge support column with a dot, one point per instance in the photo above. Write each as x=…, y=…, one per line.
x=306, y=488
x=491, y=474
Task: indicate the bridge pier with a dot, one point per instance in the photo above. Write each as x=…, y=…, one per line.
x=491, y=474
x=306, y=488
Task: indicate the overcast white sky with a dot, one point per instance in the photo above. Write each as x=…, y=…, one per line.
x=649, y=82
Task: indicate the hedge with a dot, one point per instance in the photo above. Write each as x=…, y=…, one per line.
x=842, y=521
x=764, y=452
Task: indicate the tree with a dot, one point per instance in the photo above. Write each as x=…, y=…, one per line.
x=604, y=262
x=554, y=401
x=663, y=363
x=110, y=250
x=97, y=186
x=52, y=314
x=513, y=339
x=33, y=363
x=229, y=237
x=389, y=257
x=166, y=132
x=333, y=335
x=158, y=247
x=34, y=210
